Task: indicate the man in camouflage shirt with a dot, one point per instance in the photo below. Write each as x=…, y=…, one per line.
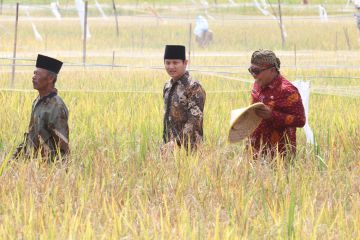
x=48, y=133
x=184, y=100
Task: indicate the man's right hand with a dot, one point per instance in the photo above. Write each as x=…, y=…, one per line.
x=167, y=148
x=264, y=112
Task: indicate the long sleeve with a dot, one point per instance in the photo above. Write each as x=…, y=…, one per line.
x=289, y=112
x=193, y=128
x=59, y=129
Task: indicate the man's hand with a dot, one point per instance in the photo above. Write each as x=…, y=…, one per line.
x=264, y=112
x=167, y=148
x=18, y=151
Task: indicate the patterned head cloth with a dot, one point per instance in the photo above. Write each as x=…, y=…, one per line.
x=265, y=58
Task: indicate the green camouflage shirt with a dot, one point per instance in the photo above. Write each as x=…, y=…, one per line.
x=48, y=132
x=184, y=102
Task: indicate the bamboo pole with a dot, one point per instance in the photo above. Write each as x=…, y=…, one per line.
x=15, y=45
x=116, y=18
x=283, y=40
x=85, y=32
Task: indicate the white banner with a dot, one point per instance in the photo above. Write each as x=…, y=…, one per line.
x=55, y=10
x=323, y=13
x=80, y=7
x=232, y=3
x=98, y=6
x=263, y=9
x=35, y=31
x=304, y=90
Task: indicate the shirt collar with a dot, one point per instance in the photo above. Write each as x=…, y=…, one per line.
x=45, y=98
x=274, y=83
x=183, y=79
x=51, y=94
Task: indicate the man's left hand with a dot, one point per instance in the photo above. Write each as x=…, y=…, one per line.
x=264, y=112
x=167, y=149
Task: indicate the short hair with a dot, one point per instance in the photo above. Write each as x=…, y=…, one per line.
x=54, y=75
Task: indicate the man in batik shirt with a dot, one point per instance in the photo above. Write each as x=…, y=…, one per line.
x=283, y=111
x=184, y=100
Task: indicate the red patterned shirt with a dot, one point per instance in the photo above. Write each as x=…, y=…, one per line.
x=278, y=132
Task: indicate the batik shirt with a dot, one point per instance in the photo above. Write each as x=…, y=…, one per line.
x=184, y=102
x=278, y=132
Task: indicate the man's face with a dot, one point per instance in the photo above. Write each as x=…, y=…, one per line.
x=175, y=67
x=41, y=79
x=262, y=75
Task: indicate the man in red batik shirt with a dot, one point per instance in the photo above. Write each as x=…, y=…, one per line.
x=283, y=111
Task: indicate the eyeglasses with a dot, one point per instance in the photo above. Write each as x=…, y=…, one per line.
x=256, y=71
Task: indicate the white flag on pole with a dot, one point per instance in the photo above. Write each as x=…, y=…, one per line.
x=35, y=31
x=323, y=13
x=55, y=10
x=80, y=7
x=232, y=3
x=98, y=6
x=304, y=90
x=262, y=10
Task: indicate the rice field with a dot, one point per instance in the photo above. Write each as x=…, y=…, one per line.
x=117, y=185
